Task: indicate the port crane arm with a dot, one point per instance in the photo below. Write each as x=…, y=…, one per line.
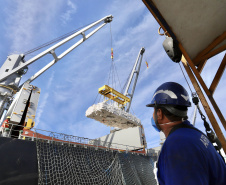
x=15, y=66
x=51, y=50
x=136, y=70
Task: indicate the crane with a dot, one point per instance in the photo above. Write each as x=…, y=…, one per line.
x=135, y=71
x=117, y=114
x=22, y=108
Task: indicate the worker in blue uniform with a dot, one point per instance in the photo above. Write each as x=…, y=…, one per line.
x=187, y=156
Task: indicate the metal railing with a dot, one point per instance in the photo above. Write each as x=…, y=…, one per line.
x=34, y=134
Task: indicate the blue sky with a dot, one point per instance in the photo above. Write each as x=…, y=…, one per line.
x=71, y=86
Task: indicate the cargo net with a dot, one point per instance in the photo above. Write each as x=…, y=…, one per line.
x=112, y=116
x=69, y=163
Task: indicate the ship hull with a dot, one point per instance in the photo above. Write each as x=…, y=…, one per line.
x=18, y=161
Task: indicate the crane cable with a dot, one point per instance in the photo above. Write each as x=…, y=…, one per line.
x=112, y=68
x=185, y=78
x=209, y=132
x=113, y=71
x=54, y=40
x=113, y=74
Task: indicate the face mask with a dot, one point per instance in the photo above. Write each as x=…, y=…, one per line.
x=155, y=126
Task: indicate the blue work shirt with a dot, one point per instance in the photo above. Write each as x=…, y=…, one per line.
x=188, y=157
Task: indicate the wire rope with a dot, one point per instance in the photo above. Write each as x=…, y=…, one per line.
x=96, y=98
x=118, y=78
x=111, y=34
x=127, y=80
x=209, y=132
x=185, y=78
x=112, y=77
x=54, y=40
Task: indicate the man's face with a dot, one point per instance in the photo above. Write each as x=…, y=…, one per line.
x=153, y=115
x=159, y=115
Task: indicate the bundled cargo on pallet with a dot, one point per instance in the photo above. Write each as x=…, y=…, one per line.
x=111, y=115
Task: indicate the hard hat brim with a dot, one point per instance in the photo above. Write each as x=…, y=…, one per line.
x=150, y=105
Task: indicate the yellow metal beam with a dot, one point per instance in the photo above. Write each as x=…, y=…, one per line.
x=113, y=95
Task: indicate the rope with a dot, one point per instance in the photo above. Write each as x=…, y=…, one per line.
x=185, y=78
x=95, y=98
x=118, y=78
x=14, y=91
x=113, y=74
x=111, y=34
x=54, y=40
x=127, y=80
x=109, y=76
x=209, y=132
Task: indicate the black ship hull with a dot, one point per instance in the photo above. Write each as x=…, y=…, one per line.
x=44, y=162
x=18, y=161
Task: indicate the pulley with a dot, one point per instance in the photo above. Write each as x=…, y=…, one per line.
x=171, y=47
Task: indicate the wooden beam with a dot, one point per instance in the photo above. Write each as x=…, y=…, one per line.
x=198, y=76
x=211, y=54
x=159, y=18
x=216, y=42
x=200, y=57
x=205, y=104
x=200, y=80
x=218, y=111
x=201, y=66
x=218, y=75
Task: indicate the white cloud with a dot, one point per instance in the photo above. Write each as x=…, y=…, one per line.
x=27, y=20
x=41, y=108
x=44, y=100
x=74, y=85
x=50, y=81
x=124, y=13
x=71, y=9
x=88, y=128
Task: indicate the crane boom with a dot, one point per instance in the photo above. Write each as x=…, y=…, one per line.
x=136, y=70
x=15, y=66
x=51, y=50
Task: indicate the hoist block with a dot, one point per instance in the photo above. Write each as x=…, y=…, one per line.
x=114, y=95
